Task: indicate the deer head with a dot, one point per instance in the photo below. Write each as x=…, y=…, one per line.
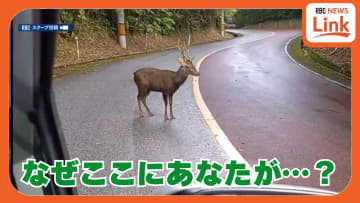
x=186, y=59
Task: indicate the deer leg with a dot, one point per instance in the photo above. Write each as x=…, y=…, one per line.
x=144, y=102
x=141, y=112
x=171, y=108
x=165, y=97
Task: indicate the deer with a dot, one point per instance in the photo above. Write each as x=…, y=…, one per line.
x=167, y=82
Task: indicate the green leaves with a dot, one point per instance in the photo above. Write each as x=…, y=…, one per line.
x=253, y=16
x=161, y=21
x=167, y=21
x=150, y=21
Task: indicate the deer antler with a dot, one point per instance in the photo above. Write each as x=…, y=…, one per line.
x=185, y=48
x=181, y=49
x=189, y=40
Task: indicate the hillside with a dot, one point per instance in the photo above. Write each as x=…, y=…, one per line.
x=148, y=30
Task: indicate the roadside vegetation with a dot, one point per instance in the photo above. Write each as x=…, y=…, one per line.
x=333, y=63
x=95, y=31
x=252, y=18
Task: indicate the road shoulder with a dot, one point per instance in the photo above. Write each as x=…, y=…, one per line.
x=306, y=61
x=219, y=134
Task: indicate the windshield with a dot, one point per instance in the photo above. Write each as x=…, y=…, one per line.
x=155, y=99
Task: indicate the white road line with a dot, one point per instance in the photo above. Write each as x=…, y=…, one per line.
x=307, y=69
x=220, y=136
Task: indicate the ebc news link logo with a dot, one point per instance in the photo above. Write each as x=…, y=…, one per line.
x=330, y=22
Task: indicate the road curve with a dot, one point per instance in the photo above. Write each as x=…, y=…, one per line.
x=270, y=107
x=100, y=117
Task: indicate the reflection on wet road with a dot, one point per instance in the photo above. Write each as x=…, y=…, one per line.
x=269, y=107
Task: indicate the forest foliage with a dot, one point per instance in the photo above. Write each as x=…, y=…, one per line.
x=169, y=21
x=161, y=21
x=245, y=17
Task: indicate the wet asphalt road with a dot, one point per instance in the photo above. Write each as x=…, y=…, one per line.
x=270, y=107
x=100, y=117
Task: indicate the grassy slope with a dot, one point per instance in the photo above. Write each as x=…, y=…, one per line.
x=317, y=62
x=97, y=49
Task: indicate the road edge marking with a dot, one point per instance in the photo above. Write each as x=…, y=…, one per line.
x=219, y=134
x=309, y=70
